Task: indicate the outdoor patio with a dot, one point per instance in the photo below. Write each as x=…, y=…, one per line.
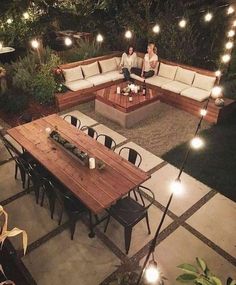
x=195, y=225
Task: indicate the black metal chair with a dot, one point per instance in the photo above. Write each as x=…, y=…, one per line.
x=73, y=121
x=67, y=203
x=90, y=131
x=107, y=141
x=129, y=212
x=132, y=155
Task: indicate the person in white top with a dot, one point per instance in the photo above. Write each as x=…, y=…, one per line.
x=149, y=63
x=128, y=61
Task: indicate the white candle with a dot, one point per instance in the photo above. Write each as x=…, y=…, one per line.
x=92, y=163
x=130, y=99
x=48, y=130
x=118, y=90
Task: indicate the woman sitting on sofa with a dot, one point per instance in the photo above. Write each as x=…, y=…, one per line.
x=149, y=63
x=128, y=61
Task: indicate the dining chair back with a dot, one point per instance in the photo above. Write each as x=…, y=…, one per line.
x=90, y=131
x=107, y=141
x=131, y=155
x=73, y=120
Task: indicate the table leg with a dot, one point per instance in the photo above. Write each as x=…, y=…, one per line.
x=91, y=227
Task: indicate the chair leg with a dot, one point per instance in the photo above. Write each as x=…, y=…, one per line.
x=60, y=216
x=16, y=171
x=148, y=226
x=135, y=195
x=72, y=227
x=128, y=233
x=36, y=191
x=108, y=220
x=52, y=202
x=23, y=176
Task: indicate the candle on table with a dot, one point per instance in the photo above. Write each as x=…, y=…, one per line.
x=92, y=163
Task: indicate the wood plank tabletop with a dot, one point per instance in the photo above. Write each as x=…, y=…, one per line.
x=97, y=189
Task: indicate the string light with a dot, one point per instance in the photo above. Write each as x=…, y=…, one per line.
x=230, y=10
x=156, y=29
x=9, y=21
x=196, y=143
x=99, y=38
x=182, y=23
x=218, y=73
x=68, y=41
x=231, y=33
x=35, y=44
x=152, y=274
x=26, y=15
x=176, y=187
x=128, y=34
x=216, y=92
x=208, y=17
x=203, y=112
x=229, y=45
x=226, y=58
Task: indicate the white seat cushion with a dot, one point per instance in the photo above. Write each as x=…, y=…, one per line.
x=78, y=85
x=204, y=82
x=13, y=142
x=175, y=86
x=90, y=69
x=158, y=80
x=184, y=75
x=108, y=65
x=196, y=94
x=134, y=76
x=118, y=60
x=99, y=79
x=114, y=75
x=167, y=71
x=72, y=74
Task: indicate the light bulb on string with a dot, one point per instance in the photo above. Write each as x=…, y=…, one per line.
x=26, y=16
x=226, y=58
x=182, y=23
x=152, y=273
x=196, y=143
x=156, y=29
x=68, y=41
x=176, y=187
x=99, y=38
x=208, y=17
x=35, y=44
x=216, y=92
x=229, y=45
x=203, y=112
x=231, y=33
x=9, y=21
x=218, y=73
x=230, y=10
x=128, y=34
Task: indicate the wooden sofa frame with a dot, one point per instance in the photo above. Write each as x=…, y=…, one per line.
x=214, y=115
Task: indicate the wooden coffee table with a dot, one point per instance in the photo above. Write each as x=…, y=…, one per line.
x=118, y=108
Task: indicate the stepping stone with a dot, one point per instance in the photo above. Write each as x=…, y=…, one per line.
x=85, y=120
x=160, y=183
x=217, y=221
x=60, y=260
x=149, y=160
x=101, y=129
x=183, y=247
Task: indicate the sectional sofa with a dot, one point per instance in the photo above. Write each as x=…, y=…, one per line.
x=179, y=85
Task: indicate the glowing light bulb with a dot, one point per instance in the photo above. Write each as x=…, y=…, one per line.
x=156, y=29
x=226, y=58
x=231, y=33
x=208, y=17
x=128, y=34
x=9, y=21
x=203, y=112
x=230, y=10
x=35, y=44
x=218, y=73
x=229, y=45
x=152, y=273
x=26, y=15
x=182, y=23
x=176, y=187
x=68, y=41
x=216, y=92
x=99, y=38
x=196, y=143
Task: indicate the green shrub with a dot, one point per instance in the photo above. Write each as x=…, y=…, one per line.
x=13, y=101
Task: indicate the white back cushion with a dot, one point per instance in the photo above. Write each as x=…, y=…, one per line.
x=90, y=69
x=108, y=65
x=167, y=71
x=72, y=74
x=184, y=75
x=204, y=82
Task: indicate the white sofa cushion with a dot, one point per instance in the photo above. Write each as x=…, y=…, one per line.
x=175, y=86
x=134, y=76
x=167, y=71
x=108, y=65
x=99, y=79
x=72, y=74
x=184, y=75
x=196, y=94
x=78, y=85
x=90, y=69
x=114, y=75
x=158, y=80
x=118, y=59
x=204, y=82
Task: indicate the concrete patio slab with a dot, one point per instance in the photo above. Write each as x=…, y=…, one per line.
x=149, y=159
x=183, y=247
x=140, y=236
x=83, y=261
x=160, y=183
x=102, y=129
x=217, y=221
x=85, y=120
x=4, y=155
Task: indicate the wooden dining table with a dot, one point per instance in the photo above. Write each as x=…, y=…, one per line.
x=97, y=189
